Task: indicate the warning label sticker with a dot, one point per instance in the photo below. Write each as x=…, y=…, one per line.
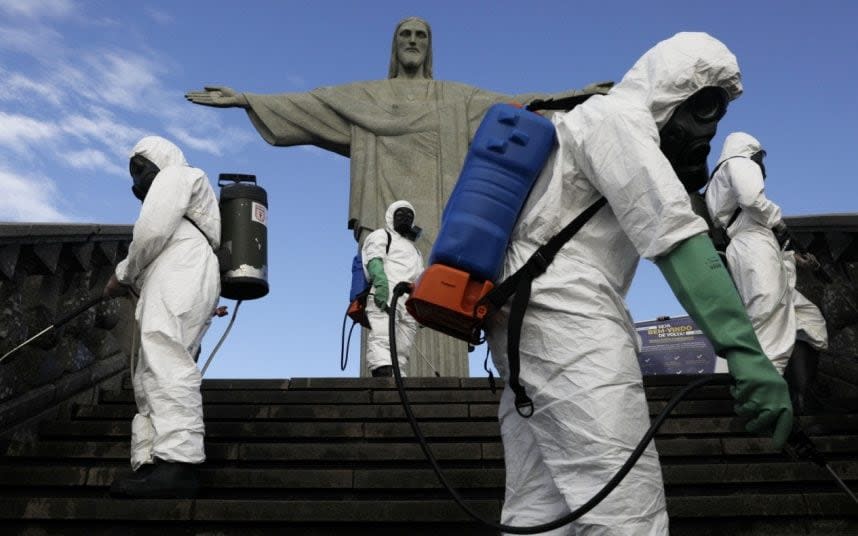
x=259, y=213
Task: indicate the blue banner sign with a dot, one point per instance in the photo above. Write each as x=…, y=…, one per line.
x=675, y=346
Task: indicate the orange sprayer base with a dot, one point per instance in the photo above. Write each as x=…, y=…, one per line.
x=445, y=299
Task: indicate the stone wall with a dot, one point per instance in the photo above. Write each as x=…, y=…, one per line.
x=833, y=239
x=47, y=270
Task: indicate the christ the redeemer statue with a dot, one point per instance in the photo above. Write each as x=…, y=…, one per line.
x=406, y=136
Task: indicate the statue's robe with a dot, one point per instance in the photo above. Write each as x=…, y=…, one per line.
x=406, y=139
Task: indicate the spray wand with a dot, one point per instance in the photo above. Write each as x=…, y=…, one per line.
x=799, y=447
x=58, y=324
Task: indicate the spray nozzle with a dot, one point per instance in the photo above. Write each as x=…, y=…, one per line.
x=799, y=447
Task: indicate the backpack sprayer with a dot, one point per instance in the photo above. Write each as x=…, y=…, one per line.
x=243, y=252
x=457, y=292
x=360, y=286
x=358, y=295
x=508, y=152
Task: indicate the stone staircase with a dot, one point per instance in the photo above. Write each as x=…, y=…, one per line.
x=336, y=456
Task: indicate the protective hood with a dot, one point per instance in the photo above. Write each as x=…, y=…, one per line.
x=161, y=152
x=739, y=144
x=676, y=68
x=388, y=216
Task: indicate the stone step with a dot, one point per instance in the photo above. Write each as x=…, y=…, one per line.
x=274, y=453
x=280, y=430
x=290, y=412
x=232, y=477
x=247, y=511
x=387, y=396
x=342, y=384
x=389, y=510
x=398, y=430
x=263, y=528
x=682, y=526
x=799, y=525
x=315, y=451
x=256, y=478
x=261, y=397
x=667, y=380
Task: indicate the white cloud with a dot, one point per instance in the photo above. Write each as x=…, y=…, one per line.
x=37, y=8
x=100, y=126
x=183, y=137
x=18, y=87
x=213, y=145
x=120, y=78
x=95, y=160
x=29, y=199
x=127, y=80
x=20, y=132
x=36, y=40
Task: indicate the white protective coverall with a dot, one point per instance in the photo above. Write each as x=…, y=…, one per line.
x=402, y=262
x=764, y=274
x=578, y=343
x=176, y=271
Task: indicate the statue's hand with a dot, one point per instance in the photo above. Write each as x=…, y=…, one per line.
x=218, y=96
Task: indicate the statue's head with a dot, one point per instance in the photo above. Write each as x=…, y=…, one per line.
x=411, y=52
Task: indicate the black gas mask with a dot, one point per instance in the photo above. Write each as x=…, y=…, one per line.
x=758, y=158
x=403, y=219
x=143, y=172
x=685, y=137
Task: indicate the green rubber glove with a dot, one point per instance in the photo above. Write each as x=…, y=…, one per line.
x=697, y=276
x=378, y=278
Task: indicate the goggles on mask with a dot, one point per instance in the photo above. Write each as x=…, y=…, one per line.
x=686, y=135
x=143, y=173
x=403, y=218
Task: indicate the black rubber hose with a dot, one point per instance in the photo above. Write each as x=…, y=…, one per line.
x=345, y=342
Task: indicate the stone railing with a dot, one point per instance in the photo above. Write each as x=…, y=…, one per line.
x=47, y=270
x=833, y=239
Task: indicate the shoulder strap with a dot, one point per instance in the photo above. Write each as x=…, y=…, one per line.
x=714, y=171
x=198, y=229
x=563, y=104
x=387, y=249
x=733, y=217
x=519, y=284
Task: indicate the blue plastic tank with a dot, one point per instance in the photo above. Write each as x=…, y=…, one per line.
x=509, y=150
x=359, y=282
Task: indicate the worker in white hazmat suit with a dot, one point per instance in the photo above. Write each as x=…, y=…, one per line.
x=763, y=271
x=172, y=265
x=578, y=347
x=389, y=257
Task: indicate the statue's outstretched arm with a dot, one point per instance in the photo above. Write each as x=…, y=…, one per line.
x=219, y=97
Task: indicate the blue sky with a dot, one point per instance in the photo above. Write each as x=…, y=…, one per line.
x=81, y=82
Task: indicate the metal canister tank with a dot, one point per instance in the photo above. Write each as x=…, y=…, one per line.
x=244, y=237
